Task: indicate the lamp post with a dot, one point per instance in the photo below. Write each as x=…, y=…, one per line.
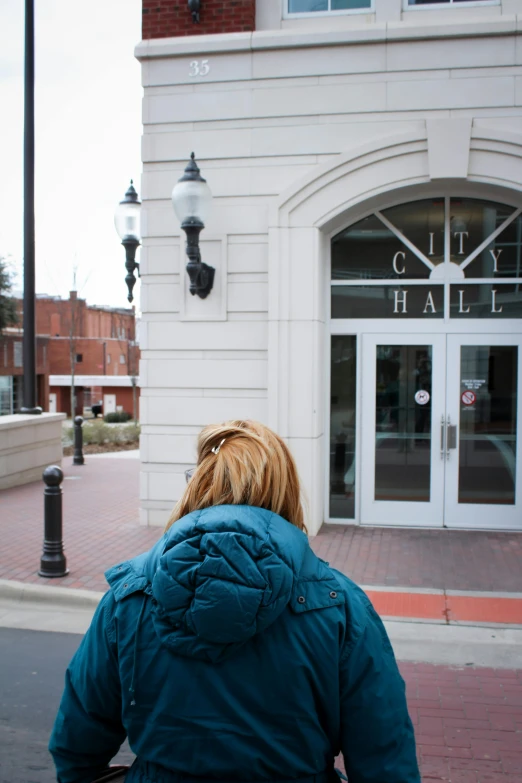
x=191, y=199
x=29, y=338
x=127, y=223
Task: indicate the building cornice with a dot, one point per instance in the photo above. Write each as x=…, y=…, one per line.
x=390, y=32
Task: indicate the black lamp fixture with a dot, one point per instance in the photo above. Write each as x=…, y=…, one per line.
x=191, y=199
x=127, y=223
x=194, y=8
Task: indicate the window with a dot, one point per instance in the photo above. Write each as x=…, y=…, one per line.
x=18, y=392
x=79, y=358
x=17, y=354
x=108, y=358
x=122, y=358
x=326, y=6
x=342, y=427
x=6, y=395
x=444, y=257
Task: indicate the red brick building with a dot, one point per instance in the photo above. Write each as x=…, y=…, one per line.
x=97, y=343
x=168, y=18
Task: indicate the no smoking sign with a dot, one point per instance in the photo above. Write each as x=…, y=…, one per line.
x=468, y=397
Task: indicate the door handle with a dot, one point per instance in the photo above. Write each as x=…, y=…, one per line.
x=451, y=437
x=442, y=436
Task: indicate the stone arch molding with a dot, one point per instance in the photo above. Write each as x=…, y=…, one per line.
x=439, y=149
x=435, y=154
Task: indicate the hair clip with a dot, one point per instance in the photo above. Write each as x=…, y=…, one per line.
x=215, y=449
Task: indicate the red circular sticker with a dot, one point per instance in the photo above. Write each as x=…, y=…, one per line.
x=468, y=397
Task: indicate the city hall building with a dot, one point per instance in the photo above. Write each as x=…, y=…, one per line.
x=365, y=161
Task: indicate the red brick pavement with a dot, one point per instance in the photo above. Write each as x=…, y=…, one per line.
x=444, y=559
x=101, y=527
x=101, y=523
x=468, y=722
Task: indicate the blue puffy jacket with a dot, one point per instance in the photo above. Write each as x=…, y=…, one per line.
x=230, y=652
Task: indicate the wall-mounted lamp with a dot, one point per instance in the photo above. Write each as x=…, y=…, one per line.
x=194, y=8
x=191, y=199
x=127, y=223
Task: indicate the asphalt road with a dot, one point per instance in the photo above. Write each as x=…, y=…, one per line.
x=32, y=669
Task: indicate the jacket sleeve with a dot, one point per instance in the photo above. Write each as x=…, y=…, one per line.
x=88, y=731
x=377, y=737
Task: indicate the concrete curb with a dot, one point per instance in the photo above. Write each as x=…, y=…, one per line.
x=66, y=597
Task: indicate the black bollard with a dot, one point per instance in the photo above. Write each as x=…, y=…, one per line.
x=53, y=562
x=78, y=442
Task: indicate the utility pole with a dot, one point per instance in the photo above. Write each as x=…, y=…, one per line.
x=29, y=338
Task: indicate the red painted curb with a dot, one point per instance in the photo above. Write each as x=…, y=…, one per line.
x=448, y=608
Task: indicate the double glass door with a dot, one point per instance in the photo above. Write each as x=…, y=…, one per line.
x=441, y=430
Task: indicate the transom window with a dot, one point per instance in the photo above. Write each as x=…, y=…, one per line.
x=325, y=6
x=444, y=257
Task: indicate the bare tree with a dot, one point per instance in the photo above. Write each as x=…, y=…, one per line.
x=74, y=312
x=75, y=328
x=130, y=347
x=75, y=316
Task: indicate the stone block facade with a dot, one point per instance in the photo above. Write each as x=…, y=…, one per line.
x=300, y=127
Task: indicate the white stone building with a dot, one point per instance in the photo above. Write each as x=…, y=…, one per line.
x=366, y=232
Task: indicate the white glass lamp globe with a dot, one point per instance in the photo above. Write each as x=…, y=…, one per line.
x=191, y=196
x=127, y=216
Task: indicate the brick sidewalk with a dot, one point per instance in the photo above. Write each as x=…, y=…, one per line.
x=468, y=722
x=444, y=559
x=101, y=527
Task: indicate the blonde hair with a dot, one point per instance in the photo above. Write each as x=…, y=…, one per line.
x=243, y=463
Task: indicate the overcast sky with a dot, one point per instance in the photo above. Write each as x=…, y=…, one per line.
x=88, y=126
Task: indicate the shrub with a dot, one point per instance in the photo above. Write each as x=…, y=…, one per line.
x=130, y=433
x=98, y=432
x=117, y=416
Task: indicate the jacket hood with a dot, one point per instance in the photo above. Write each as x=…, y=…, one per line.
x=220, y=576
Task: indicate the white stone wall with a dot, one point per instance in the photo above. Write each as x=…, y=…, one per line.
x=28, y=445
x=294, y=129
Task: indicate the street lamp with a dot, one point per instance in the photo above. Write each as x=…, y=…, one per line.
x=127, y=223
x=191, y=199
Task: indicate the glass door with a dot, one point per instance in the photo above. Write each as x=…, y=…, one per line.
x=482, y=432
x=404, y=390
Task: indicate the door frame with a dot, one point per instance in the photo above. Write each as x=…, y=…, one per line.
x=472, y=332
x=359, y=327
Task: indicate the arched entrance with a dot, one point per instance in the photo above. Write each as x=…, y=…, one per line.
x=426, y=338
x=306, y=310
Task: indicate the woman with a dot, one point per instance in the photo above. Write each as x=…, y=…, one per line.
x=230, y=652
